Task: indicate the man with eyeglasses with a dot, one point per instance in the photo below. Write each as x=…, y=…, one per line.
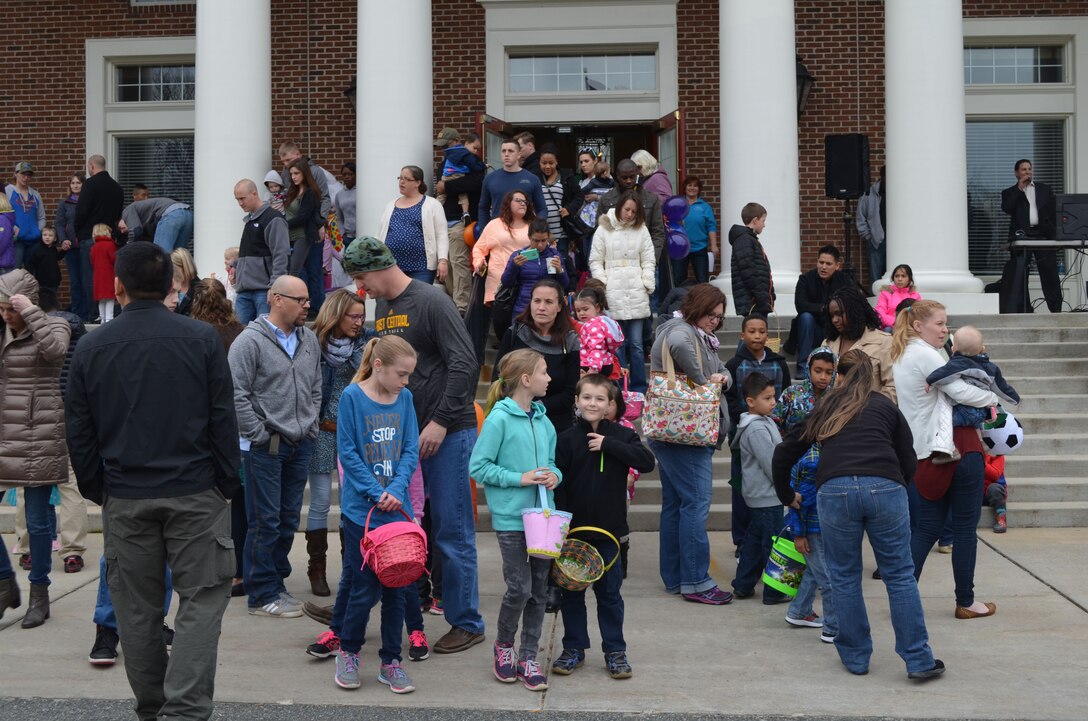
x=510, y=177
x=262, y=253
x=275, y=363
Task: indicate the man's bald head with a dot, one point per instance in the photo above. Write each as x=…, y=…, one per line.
x=245, y=192
x=288, y=303
x=288, y=285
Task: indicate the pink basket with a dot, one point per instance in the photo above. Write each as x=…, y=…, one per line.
x=396, y=552
x=632, y=401
x=545, y=528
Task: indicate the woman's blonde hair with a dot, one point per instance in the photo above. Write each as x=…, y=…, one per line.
x=387, y=349
x=184, y=267
x=840, y=404
x=335, y=307
x=646, y=163
x=903, y=330
x=515, y=364
x=5, y=204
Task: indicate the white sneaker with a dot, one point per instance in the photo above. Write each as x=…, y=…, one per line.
x=809, y=621
x=280, y=608
x=827, y=637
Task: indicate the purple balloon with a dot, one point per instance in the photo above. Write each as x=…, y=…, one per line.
x=675, y=208
x=678, y=244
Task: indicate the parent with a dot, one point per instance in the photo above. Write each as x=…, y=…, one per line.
x=622, y=257
x=169, y=222
x=814, y=288
x=502, y=237
x=702, y=233
x=544, y=326
x=263, y=252
x=414, y=228
x=33, y=455
x=524, y=272
x=866, y=460
x=459, y=280
x=341, y=337
x=852, y=323
x=443, y=389
x=686, y=472
x=919, y=336
x=652, y=176
x=66, y=232
x=511, y=176
x=29, y=211
x=301, y=208
x=100, y=201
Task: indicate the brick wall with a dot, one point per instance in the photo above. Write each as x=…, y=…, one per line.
x=457, y=45
x=697, y=44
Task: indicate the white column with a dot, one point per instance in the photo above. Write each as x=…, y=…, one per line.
x=926, y=144
x=758, y=69
x=395, y=107
x=233, y=138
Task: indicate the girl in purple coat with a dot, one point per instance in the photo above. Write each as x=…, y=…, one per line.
x=526, y=267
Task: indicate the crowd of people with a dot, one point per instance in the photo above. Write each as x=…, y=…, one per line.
x=879, y=434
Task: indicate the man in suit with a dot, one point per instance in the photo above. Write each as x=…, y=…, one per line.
x=1031, y=209
x=100, y=201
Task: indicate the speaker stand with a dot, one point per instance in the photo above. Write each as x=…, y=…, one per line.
x=847, y=237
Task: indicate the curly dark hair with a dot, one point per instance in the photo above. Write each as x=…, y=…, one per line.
x=210, y=303
x=856, y=311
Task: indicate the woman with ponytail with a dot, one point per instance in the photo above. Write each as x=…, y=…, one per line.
x=917, y=350
x=866, y=460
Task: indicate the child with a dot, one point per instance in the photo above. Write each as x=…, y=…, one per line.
x=377, y=442
x=460, y=160
x=230, y=264
x=43, y=260
x=600, y=336
x=276, y=193
x=995, y=490
x=103, y=253
x=592, y=190
x=594, y=456
x=753, y=287
x=969, y=363
x=796, y=402
x=523, y=271
x=757, y=435
x=140, y=192
x=514, y=454
x=804, y=523
x=902, y=288
x=752, y=357
x=8, y=230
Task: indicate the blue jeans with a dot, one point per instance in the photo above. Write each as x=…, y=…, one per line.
x=446, y=479
x=964, y=501
x=87, y=275
x=807, y=328
x=250, y=304
x=700, y=266
x=850, y=506
x=174, y=230
x=274, y=490
x=686, y=486
x=609, y=613
x=103, y=605
x=6, y=570
x=634, y=353
x=877, y=260
x=413, y=614
x=351, y=612
x=314, y=275
x=815, y=577
x=427, y=276
x=39, y=527
x=763, y=523
x=320, y=501
x=74, y=260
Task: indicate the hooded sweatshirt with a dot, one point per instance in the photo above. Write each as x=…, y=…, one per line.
x=753, y=286
x=512, y=442
x=756, y=439
x=797, y=401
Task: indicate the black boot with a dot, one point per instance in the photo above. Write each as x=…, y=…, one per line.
x=38, y=610
x=317, y=545
x=9, y=595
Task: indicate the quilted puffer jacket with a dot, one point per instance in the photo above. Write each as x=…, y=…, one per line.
x=32, y=447
x=622, y=257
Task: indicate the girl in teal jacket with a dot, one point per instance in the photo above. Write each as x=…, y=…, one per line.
x=513, y=456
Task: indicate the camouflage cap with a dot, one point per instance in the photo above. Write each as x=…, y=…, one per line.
x=366, y=255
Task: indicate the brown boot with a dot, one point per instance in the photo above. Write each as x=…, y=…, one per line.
x=38, y=610
x=9, y=595
x=317, y=545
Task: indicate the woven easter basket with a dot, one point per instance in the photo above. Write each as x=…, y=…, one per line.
x=580, y=564
x=395, y=552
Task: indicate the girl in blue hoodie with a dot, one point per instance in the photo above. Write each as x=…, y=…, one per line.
x=514, y=454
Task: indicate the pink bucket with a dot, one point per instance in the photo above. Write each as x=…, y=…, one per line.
x=545, y=528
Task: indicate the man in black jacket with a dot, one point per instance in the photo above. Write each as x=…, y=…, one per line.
x=153, y=438
x=100, y=201
x=1031, y=208
x=810, y=300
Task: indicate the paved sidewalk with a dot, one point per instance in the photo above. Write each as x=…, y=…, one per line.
x=741, y=660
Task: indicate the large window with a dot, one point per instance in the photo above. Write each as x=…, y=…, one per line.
x=154, y=83
x=1013, y=65
x=163, y=163
x=624, y=72
x=993, y=146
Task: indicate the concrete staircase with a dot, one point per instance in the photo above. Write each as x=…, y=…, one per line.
x=1045, y=357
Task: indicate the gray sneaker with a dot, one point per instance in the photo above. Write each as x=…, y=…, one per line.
x=290, y=601
x=280, y=608
x=347, y=669
x=394, y=676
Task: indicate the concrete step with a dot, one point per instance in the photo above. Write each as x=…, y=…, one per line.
x=1046, y=423
x=1039, y=384
x=1002, y=349
x=1048, y=490
x=1047, y=444
x=1051, y=403
x=1046, y=466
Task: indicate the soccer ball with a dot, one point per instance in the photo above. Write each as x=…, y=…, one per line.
x=1003, y=435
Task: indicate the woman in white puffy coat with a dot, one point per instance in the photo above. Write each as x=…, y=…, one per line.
x=622, y=257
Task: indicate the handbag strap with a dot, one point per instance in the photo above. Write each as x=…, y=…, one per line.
x=668, y=363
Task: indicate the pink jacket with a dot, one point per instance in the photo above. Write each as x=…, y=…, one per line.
x=600, y=337
x=889, y=299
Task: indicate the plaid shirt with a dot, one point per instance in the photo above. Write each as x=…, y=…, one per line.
x=806, y=521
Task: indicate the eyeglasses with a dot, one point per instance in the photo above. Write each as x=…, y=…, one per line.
x=715, y=316
x=357, y=317
x=301, y=300
x=407, y=180
x=523, y=201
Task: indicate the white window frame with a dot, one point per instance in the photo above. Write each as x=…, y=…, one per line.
x=565, y=26
x=108, y=119
x=1039, y=101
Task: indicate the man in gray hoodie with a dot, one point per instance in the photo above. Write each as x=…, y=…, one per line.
x=276, y=366
x=263, y=252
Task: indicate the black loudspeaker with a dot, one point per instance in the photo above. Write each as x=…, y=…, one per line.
x=846, y=165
